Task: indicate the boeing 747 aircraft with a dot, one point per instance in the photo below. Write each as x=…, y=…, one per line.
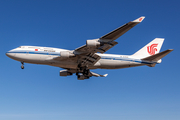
x=90, y=55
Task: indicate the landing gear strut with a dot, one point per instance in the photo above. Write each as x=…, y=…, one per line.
x=22, y=66
x=86, y=71
x=83, y=72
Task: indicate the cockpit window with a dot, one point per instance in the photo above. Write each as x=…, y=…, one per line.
x=19, y=47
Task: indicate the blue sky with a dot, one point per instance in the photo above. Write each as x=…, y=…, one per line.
x=39, y=93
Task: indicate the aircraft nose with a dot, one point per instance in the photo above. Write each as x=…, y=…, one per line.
x=9, y=54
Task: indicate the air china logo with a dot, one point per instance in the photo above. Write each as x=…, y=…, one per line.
x=152, y=49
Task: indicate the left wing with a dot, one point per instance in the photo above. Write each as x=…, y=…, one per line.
x=107, y=41
x=86, y=53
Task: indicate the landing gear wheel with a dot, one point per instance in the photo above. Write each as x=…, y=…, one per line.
x=86, y=72
x=22, y=67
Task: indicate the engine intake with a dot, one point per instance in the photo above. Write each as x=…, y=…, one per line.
x=92, y=43
x=66, y=54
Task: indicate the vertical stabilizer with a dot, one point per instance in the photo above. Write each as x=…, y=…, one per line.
x=150, y=49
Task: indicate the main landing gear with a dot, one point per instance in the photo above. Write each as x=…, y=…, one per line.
x=83, y=73
x=22, y=66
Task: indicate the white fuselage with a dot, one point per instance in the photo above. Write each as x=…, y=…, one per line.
x=47, y=55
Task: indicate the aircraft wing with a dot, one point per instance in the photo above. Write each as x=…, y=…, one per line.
x=107, y=41
x=86, y=53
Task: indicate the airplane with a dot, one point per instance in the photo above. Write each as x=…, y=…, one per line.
x=90, y=56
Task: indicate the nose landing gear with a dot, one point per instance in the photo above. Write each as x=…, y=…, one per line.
x=22, y=66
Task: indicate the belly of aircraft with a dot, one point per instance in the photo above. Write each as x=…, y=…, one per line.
x=116, y=64
x=44, y=60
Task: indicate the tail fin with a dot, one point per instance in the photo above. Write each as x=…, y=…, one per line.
x=150, y=49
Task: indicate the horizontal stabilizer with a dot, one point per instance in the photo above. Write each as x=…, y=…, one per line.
x=158, y=56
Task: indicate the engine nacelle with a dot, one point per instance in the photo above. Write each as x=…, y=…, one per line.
x=159, y=61
x=65, y=73
x=66, y=54
x=92, y=43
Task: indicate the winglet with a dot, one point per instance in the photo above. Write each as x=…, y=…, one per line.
x=139, y=19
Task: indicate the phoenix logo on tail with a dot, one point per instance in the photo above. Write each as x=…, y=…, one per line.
x=152, y=49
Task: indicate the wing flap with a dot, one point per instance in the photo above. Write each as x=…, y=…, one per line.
x=89, y=59
x=106, y=47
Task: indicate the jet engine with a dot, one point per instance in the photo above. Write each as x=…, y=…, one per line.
x=65, y=73
x=66, y=54
x=92, y=43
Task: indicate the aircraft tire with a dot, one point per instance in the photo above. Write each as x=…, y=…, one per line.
x=22, y=67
